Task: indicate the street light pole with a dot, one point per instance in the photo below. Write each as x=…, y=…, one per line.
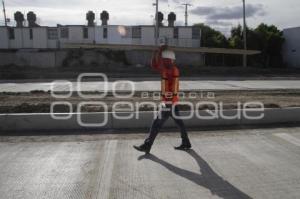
x=156, y=23
x=244, y=34
x=4, y=12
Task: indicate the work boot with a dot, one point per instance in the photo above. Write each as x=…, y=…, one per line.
x=185, y=145
x=146, y=147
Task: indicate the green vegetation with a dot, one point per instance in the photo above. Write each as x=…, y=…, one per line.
x=211, y=37
x=266, y=38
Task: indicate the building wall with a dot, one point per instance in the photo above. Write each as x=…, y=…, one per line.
x=41, y=40
x=27, y=42
x=40, y=37
x=148, y=35
x=75, y=34
x=291, y=47
x=166, y=32
x=185, y=36
x=18, y=41
x=3, y=38
x=99, y=35
x=114, y=36
x=53, y=44
x=91, y=35
x=28, y=58
x=63, y=58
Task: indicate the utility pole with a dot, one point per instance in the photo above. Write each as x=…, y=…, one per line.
x=186, y=13
x=5, y=20
x=156, y=22
x=244, y=34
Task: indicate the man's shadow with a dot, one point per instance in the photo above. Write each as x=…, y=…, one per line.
x=208, y=178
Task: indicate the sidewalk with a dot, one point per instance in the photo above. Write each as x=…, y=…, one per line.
x=155, y=86
x=258, y=163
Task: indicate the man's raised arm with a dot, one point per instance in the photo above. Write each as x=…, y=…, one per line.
x=156, y=61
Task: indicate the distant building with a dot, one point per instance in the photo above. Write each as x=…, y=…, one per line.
x=291, y=48
x=42, y=37
x=55, y=37
x=33, y=37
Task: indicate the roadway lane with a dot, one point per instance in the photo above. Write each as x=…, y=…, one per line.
x=154, y=86
x=258, y=163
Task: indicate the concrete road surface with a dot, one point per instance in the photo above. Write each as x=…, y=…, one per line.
x=153, y=86
x=226, y=164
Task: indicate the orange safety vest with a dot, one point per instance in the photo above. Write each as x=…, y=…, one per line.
x=169, y=81
x=170, y=84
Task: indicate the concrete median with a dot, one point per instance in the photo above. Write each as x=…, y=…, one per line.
x=139, y=120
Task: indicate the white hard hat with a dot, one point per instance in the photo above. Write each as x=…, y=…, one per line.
x=168, y=54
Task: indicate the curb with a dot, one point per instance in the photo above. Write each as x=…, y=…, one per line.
x=44, y=121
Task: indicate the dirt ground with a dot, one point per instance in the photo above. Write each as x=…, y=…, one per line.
x=40, y=102
x=12, y=72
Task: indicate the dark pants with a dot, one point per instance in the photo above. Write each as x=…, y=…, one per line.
x=162, y=117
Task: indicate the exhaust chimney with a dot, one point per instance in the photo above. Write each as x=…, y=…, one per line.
x=19, y=18
x=104, y=16
x=31, y=18
x=171, y=19
x=160, y=18
x=90, y=17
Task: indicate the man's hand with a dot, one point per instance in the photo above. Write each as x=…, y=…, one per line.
x=156, y=55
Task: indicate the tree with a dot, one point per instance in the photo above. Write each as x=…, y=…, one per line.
x=267, y=39
x=211, y=37
x=236, y=39
x=270, y=40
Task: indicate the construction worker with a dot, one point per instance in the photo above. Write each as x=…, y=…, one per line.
x=163, y=61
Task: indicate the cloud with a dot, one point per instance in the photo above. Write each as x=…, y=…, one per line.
x=52, y=12
x=229, y=13
x=42, y=3
x=204, y=10
x=218, y=23
x=223, y=18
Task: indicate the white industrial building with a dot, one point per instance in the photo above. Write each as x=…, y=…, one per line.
x=29, y=44
x=291, y=48
x=44, y=37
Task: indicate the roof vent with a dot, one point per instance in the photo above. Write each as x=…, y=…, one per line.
x=90, y=17
x=19, y=18
x=104, y=16
x=171, y=19
x=31, y=18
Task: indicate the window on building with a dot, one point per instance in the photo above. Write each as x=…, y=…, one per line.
x=136, y=32
x=11, y=33
x=30, y=34
x=85, y=33
x=64, y=33
x=175, y=32
x=104, y=33
x=196, y=33
x=52, y=33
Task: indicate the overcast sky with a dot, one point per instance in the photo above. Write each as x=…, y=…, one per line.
x=220, y=14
